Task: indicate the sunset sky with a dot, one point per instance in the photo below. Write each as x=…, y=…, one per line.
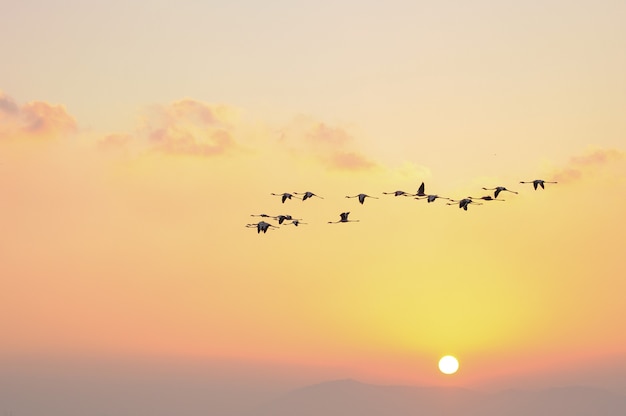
x=137, y=138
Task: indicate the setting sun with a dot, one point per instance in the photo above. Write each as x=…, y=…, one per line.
x=448, y=364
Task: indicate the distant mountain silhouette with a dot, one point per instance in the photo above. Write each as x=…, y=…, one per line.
x=352, y=398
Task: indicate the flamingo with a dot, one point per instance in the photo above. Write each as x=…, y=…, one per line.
x=284, y=196
x=498, y=189
x=361, y=197
x=431, y=198
x=261, y=226
x=307, y=195
x=420, y=190
x=261, y=215
x=422, y=195
x=282, y=218
x=488, y=198
x=538, y=182
x=344, y=218
x=396, y=193
x=297, y=222
x=463, y=203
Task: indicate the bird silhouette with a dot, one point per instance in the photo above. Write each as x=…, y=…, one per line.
x=285, y=196
x=497, y=190
x=261, y=226
x=486, y=198
x=422, y=195
x=420, y=190
x=296, y=222
x=432, y=198
x=344, y=218
x=396, y=193
x=361, y=197
x=538, y=182
x=282, y=218
x=262, y=215
x=463, y=203
x=307, y=195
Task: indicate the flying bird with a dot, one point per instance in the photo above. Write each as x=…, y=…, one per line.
x=420, y=190
x=296, y=222
x=463, y=203
x=261, y=226
x=307, y=195
x=497, y=190
x=422, y=195
x=344, y=218
x=431, y=198
x=396, y=193
x=538, y=182
x=262, y=215
x=361, y=197
x=285, y=196
x=487, y=198
x=282, y=218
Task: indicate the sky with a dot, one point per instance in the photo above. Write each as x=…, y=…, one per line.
x=138, y=138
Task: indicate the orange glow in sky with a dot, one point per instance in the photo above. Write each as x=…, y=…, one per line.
x=132, y=158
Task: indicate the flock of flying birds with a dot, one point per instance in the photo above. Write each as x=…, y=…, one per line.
x=263, y=226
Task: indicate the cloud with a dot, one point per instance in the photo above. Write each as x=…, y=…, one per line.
x=36, y=119
x=350, y=161
x=328, y=136
x=190, y=127
x=114, y=141
x=7, y=105
x=332, y=146
x=580, y=166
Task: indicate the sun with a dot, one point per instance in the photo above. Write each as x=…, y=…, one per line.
x=448, y=364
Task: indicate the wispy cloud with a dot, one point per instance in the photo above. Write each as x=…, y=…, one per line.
x=324, y=135
x=184, y=127
x=114, y=141
x=333, y=146
x=580, y=166
x=7, y=105
x=37, y=119
x=350, y=161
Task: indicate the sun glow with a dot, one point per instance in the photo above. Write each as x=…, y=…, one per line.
x=448, y=364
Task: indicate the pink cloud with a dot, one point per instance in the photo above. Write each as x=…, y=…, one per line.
x=189, y=127
x=182, y=142
x=598, y=157
x=350, y=161
x=113, y=141
x=193, y=110
x=325, y=135
x=333, y=146
x=7, y=105
x=36, y=119
x=580, y=166
x=43, y=118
